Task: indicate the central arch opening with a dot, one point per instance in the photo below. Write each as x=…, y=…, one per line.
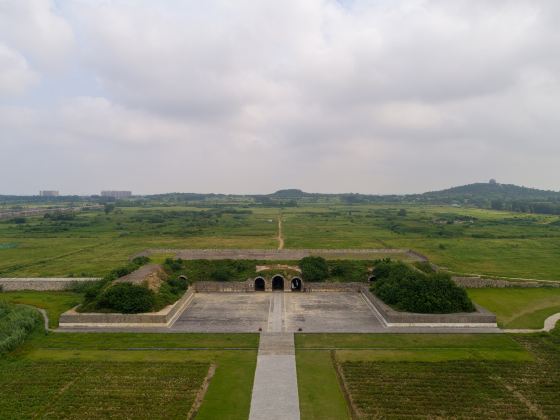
x=277, y=283
x=259, y=284
x=296, y=284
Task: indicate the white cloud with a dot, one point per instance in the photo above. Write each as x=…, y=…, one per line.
x=36, y=29
x=383, y=96
x=15, y=74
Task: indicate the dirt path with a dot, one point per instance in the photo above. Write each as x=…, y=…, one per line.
x=280, y=236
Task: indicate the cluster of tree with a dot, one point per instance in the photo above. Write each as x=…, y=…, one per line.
x=130, y=298
x=407, y=289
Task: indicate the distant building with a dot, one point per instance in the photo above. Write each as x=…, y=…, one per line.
x=49, y=193
x=116, y=194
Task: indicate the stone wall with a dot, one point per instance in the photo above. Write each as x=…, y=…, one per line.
x=282, y=254
x=164, y=318
x=333, y=287
x=226, y=286
x=40, y=284
x=480, y=282
x=392, y=318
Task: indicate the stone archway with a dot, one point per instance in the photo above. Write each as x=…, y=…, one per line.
x=296, y=284
x=259, y=284
x=371, y=279
x=277, y=282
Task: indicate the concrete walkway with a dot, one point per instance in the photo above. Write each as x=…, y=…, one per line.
x=275, y=389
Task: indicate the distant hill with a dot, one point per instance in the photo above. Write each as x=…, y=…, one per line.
x=290, y=193
x=496, y=196
x=495, y=190
x=488, y=195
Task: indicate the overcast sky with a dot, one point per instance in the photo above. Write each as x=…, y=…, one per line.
x=251, y=96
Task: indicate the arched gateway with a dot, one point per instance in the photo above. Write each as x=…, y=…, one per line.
x=278, y=282
x=259, y=284
x=296, y=284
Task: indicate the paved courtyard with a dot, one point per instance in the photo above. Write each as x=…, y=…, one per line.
x=225, y=312
x=247, y=312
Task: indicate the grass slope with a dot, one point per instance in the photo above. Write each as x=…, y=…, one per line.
x=519, y=308
x=55, y=303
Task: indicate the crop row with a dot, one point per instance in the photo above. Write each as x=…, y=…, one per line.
x=458, y=389
x=98, y=389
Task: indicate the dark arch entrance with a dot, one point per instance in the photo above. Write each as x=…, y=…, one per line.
x=371, y=278
x=296, y=284
x=277, y=283
x=259, y=284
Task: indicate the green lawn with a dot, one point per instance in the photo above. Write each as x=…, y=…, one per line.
x=519, y=307
x=55, y=303
x=320, y=395
x=71, y=374
x=406, y=341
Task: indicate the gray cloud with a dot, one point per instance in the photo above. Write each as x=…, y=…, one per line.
x=375, y=97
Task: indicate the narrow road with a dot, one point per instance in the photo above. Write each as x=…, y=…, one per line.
x=280, y=236
x=275, y=389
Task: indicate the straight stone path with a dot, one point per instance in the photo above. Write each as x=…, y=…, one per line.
x=275, y=389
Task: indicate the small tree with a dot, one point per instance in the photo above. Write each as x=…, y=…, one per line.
x=109, y=207
x=314, y=268
x=127, y=298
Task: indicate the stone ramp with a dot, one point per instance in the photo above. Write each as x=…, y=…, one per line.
x=275, y=389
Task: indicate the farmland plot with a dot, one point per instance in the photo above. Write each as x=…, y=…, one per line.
x=74, y=389
x=459, y=389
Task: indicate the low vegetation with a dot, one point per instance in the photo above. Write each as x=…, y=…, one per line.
x=118, y=375
x=458, y=388
x=410, y=290
x=55, y=303
x=430, y=375
x=519, y=307
x=16, y=323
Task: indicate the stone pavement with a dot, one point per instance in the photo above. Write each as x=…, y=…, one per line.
x=275, y=389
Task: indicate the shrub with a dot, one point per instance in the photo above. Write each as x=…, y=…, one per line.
x=16, y=322
x=348, y=270
x=406, y=289
x=220, y=274
x=127, y=298
x=314, y=268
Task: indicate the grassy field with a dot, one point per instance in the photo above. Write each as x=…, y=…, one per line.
x=55, y=303
x=117, y=375
x=429, y=376
x=463, y=240
x=519, y=308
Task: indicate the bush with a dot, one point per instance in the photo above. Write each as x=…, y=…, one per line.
x=127, y=298
x=314, y=268
x=348, y=270
x=406, y=289
x=16, y=322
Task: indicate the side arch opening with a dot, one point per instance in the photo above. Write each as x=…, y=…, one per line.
x=296, y=284
x=259, y=284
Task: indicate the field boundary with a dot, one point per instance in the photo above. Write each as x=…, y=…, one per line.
x=199, y=399
x=354, y=414
x=42, y=284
